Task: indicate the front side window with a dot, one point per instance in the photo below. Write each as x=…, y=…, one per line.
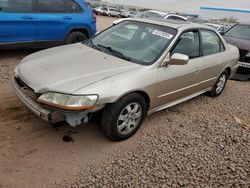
x=188, y=44
x=211, y=43
x=16, y=6
x=239, y=31
x=73, y=6
x=49, y=6
x=143, y=43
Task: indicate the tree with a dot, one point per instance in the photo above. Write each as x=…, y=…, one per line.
x=229, y=20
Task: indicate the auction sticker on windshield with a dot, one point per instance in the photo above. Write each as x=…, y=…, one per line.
x=162, y=34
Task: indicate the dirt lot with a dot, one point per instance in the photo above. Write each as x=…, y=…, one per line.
x=195, y=144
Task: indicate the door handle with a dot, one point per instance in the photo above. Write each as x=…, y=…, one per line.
x=67, y=18
x=28, y=18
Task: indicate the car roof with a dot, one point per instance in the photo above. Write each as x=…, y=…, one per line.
x=176, y=24
x=212, y=24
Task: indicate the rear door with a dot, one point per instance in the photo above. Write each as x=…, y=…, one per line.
x=213, y=60
x=17, y=21
x=53, y=20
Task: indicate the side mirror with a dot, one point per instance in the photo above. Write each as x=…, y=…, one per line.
x=178, y=59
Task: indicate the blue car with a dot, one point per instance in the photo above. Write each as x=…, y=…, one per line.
x=43, y=23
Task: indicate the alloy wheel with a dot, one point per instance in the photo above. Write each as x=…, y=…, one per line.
x=221, y=83
x=129, y=118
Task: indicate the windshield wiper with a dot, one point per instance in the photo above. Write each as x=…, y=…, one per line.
x=115, y=52
x=89, y=41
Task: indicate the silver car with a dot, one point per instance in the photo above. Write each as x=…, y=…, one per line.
x=127, y=72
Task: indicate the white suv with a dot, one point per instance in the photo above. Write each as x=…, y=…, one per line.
x=113, y=12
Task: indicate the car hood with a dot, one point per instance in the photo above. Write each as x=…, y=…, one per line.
x=240, y=43
x=69, y=68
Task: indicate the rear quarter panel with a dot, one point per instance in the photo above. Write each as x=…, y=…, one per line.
x=232, y=56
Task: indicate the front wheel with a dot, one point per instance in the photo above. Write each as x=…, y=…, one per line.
x=122, y=119
x=219, y=85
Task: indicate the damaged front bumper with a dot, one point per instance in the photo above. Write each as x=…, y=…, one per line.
x=52, y=115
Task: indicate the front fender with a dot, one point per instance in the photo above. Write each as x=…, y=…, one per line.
x=110, y=90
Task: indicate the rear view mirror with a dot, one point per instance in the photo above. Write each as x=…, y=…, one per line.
x=178, y=59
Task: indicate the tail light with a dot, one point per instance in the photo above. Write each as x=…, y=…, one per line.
x=94, y=16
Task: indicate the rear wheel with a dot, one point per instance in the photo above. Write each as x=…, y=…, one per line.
x=122, y=119
x=75, y=37
x=219, y=85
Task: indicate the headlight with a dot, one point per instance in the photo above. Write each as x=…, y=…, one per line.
x=68, y=102
x=248, y=54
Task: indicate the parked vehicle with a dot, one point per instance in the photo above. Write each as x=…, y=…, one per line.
x=128, y=14
x=128, y=71
x=42, y=23
x=113, y=12
x=100, y=11
x=239, y=35
x=175, y=17
x=160, y=15
x=222, y=29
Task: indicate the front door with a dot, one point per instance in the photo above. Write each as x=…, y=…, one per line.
x=17, y=21
x=179, y=81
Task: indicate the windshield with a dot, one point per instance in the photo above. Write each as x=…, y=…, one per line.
x=239, y=31
x=139, y=42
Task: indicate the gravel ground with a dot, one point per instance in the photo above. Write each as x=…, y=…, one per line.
x=8, y=61
x=195, y=144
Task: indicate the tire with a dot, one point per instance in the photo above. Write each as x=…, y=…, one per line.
x=117, y=123
x=75, y=37
x=219, y=85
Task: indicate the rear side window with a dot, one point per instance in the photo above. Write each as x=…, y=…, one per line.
x=16, y=6
x=51, y=6
x=211, y=43
x=72, y=6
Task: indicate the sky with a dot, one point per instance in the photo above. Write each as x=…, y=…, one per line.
x=187, y=6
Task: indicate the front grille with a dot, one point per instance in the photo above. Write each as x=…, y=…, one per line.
x=243, y=57
x=29, y=92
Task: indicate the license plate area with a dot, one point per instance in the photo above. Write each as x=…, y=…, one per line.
x=245, y=65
